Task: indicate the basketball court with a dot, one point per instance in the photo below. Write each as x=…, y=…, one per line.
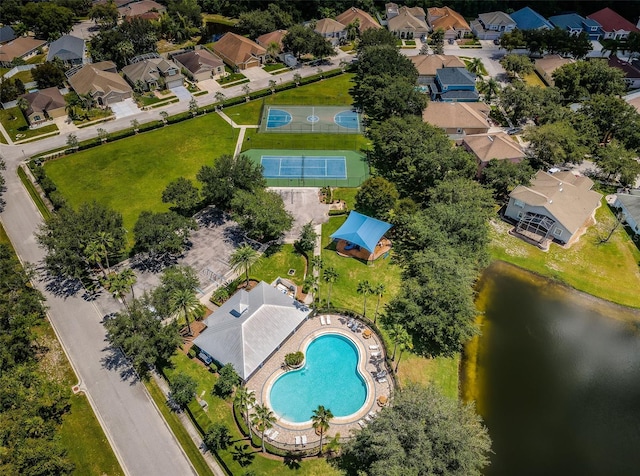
x=306, y=119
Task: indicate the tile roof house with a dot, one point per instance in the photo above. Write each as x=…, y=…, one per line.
x=547, y=65
x=239, y=52
x=486, y=147
x=365, y=20
x=528, y=19
x=101, y=81
x=43, y=105
x=631, y=73
x=555, y=206
x=453, y=24
x=629, y=204
x=454, y=85
x=613, y=25
x=408, y=23
x=576, y=24
x=428, y=65
x=147, y=9
x=150, y=72
x=458, y=118
x=70, y=49
x=332, y=30
x=491, y=26
x=250, y=326
x=23, y=47
x=7, y=34
x=200, y=64
x=271, y=37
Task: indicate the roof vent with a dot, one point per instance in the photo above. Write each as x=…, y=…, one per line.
x=561, y=189
x=550, y=201
x=490, y=138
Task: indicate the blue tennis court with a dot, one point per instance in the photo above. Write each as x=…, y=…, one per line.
x=278, y=118
x=348, y=119
x=304, y=166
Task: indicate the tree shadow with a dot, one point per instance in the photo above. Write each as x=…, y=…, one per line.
x=60, y=286
x=153, y=263
x=211, y=217
x=243, y=455
x=115, y=360
x=292, y=461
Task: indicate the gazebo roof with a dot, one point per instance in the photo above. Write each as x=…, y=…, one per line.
x=362, y=230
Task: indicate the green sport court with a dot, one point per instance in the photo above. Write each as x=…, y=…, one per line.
x=310, y=119
x=311, y=168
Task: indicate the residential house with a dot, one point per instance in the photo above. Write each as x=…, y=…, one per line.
x=458, y=118
x=631, y=72
x=453, y=24
x=428, y=65
x=547, y=65
x=613, y=25
x=334, y=31
x=634, y=100
x=43, y=105
x=557, y=206
x=576, y=24
x=365, y=21
x=528, y=19
x=270, y=38
x=150, y=71
x=199, y=64
x=239, y=52
x=7, y=34
x=629, y=205
x=486, y=147
x=146, y=9
x=249, y=327
x=24, y=48
x=102, y=81
x=408, y=23
x=70, y=49
x=491, y=26
x=454, y=85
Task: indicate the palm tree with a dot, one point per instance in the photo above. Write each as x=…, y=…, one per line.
x=245, y=399
x=243, y=259
x=184, y=303
x=106, y=240
x=406, y=343
x=330, y=276
x=320, y=418
x=130, y=279
x=395, y=333
x=475, y=66
x=273, y=49
x=23, y=104
x=489, y=88
x=378, y=290
x=263, y=419
x=118, y=286
x=95, y=252
x=364, y=288
x=353, y=29
x=316, y=262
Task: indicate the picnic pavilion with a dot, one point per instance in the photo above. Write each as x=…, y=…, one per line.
x=362, y=237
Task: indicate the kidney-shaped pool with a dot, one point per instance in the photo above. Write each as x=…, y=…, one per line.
x=330, y=377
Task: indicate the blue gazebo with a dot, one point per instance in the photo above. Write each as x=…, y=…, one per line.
x=361, y=232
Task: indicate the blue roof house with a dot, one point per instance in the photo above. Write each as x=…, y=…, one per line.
x=528, y=19
x=576, y=24
x=454, y=85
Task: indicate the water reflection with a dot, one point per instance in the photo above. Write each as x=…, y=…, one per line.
x=556, y=376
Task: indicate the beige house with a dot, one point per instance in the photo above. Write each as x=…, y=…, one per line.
x=547, y=65
x=151, y=72
x=486, y=147
x=458, y=118
x=270, y=38
x=407, y=22
x=453, y=24
x=200, y=64
x=239, y=52
x=103, y=83
x=333, y=31
x=146, y=9
x=23, y=47
x=428, y=65
x=43, y=105
x=365, y=21
x=555, y=207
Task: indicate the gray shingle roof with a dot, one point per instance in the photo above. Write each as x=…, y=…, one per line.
x=7, y=34
x=247, y=328
x=458, y=76
x=66, y=48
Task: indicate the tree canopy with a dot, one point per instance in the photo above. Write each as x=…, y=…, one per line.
x=47, y=20
x=301, y=40
x=583, y=79
x=376, y=197
x=261, y=214
x=183, y=194
x=162, y=233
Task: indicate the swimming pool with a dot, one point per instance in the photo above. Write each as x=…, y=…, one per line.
x=329, y=377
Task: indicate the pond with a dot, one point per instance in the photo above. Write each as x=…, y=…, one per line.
x=556, y=377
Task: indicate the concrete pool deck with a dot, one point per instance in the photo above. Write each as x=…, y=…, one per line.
x=312, y=328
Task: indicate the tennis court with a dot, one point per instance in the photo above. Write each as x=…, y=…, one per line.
x=311, y=168
x=320, y=119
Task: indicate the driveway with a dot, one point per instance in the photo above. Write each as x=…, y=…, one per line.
x=182, y=93
x=304, y=205
x=256, y=74
x=125, y=108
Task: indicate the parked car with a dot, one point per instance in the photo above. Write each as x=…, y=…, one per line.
x=514, y=130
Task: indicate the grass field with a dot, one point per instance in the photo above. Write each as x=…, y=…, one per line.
x=277, y=261
x=328, y=92
x=255, y=140
x=129, y=175
x=605, y=270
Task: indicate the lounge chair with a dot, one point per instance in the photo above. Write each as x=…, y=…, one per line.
x=362, y=423
x=297, y=440
x=382, y=380
x=322, y=321
x=304, y=440
x=374, y=347
x=382, y=373
x=372, y=414
x=328, y=320
x=350, y=322
x=376, y=354
x=367, y=418
x=274, y=435
x=267, y=432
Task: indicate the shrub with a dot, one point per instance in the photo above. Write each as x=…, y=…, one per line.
x=57, y=199
x=294, y=358
x=217, y=437
x=227, y=380
x=183, y=388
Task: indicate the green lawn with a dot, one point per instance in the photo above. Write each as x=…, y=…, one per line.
x=346, y=194
x=256, y=140
x=534, y=79
x=24, y=76
x=277, y=261
x=149, y=98
x=219, y=411
x=605, y=270
x=231, y=77
x=17, y=127
x=328, y=92
x=129, y=175
x=273, y=67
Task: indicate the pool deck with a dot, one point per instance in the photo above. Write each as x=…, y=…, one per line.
x=264, y=378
